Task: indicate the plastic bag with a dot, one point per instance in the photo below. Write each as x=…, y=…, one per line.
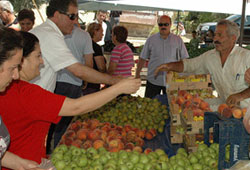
x=241, y=165
x=46, y=164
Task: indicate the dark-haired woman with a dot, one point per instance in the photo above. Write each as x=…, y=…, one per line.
x=11, y=50
x=32, y=109
x=122, y=58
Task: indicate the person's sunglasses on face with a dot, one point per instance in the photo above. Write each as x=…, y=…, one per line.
x=71, y=16
x=163, y=24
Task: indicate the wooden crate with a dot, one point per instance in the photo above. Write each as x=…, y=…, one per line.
x=205, y=93
x=191, y=126
x=187, y=82
x=174, y=112
x=190, y=143
x=174, y=136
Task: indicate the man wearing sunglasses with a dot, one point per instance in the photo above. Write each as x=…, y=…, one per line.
x=162, y=47
x=62, y=15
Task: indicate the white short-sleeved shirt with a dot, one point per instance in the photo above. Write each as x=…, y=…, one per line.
x=80, y=44
x=55, y=53
x=104, y=27
x=160, y=51
x=228, y=79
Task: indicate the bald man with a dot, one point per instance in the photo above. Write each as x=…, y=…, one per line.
x=162, y=47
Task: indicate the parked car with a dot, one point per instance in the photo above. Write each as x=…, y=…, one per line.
x=237, y=20
x=204, y=27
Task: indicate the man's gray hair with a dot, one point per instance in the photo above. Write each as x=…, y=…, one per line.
x=232, y=28
x=6, y=5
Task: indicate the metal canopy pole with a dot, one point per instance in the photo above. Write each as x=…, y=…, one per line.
x=178, y=20
x=242, y=22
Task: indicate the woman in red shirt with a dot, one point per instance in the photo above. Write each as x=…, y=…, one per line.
x=28, y=110
x=11, y=46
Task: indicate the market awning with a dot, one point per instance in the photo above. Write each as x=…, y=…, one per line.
x=216, y=6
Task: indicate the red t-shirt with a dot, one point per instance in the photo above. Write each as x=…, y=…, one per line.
x=27, y=111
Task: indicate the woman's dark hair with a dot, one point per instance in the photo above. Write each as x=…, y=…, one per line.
x=121, y=33
x=9, y=40
x=29, y=42
x=26, y=14
x=59, y=5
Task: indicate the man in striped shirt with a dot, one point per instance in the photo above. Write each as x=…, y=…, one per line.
x=122, y=59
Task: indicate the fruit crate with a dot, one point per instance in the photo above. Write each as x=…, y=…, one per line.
x=232, y=132
x=175, y=137
x=228, y=132
x=191, y=126
x=191, y=142
x=183, y=81
x=174, y=111
x=205, y=93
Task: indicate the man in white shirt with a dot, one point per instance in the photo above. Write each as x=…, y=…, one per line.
x=62, y=15
x=100, y=17
x=226, y=63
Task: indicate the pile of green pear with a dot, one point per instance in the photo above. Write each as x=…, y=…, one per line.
x=141, y=113
x=73, y=158
x=205, y=158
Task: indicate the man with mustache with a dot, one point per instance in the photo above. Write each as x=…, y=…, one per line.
x=226, y=64
x=162, y=47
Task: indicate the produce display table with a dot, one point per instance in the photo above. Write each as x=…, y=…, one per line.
x=162, y=140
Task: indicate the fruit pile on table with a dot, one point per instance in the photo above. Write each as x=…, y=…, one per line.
x=67, y=158
x=141, y=113
x=113, y=138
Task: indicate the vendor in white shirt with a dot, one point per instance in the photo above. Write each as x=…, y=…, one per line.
x=226, y=64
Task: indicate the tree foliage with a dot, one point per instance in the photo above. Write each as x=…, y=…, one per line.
x=21, y=4
x=195, y=18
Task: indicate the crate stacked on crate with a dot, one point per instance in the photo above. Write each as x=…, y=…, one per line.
x=176, y=84
x=190, y=110
x=184, y=81
x=176, y=129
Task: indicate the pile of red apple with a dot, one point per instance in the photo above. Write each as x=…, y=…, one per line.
x=229, y=111
x=186, y=101
x=92, y=133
